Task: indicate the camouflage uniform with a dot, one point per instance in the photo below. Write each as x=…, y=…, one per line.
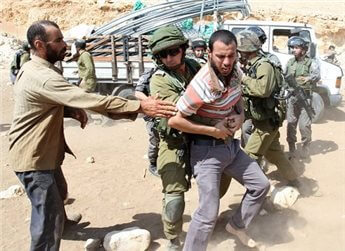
x=310, y=71
x=144, y=87
x=247, y=126
x=259, y=86
x=22, y=56
x=171, y=163
x=86, y=70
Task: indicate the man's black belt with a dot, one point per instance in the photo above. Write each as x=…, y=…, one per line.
x=203, y=140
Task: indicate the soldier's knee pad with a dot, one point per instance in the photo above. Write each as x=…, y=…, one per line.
x=173, y=207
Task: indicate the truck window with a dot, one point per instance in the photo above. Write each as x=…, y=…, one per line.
x=236, y=30
x=281, y=37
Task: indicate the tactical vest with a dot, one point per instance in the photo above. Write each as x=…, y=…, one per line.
x=161, y=124
x=298, y=69
x=269, y=108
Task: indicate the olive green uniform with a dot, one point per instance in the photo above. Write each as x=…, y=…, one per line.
x=309, y=70
x=258, y=89
x=16, y=65
x=170, y=162
x=86, y=70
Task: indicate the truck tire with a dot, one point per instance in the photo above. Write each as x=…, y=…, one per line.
x=124, y=92
x=319, y=107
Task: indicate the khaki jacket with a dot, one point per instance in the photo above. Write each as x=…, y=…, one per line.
x=42, y=99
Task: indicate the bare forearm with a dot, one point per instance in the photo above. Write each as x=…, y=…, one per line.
x=182, y=124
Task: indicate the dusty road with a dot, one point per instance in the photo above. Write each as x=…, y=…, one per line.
x=114, y=193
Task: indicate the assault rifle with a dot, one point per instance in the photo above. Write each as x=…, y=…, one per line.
x=300, y=94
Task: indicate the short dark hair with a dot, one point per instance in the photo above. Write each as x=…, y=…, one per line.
x=225, y=36
x=37, y=31
x=331, y=47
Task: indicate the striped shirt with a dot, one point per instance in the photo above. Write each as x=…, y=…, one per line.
x=207, y=96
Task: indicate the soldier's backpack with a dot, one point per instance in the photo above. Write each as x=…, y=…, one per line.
x=273, y=107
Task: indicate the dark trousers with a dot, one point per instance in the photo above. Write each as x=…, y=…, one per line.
x=46, y=191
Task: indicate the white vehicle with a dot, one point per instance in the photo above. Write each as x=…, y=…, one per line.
x=327, y=92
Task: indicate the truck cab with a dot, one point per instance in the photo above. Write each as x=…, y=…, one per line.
x=327, y=91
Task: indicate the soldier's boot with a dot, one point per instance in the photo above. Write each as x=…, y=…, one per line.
x=174, y=245
x=292, y=150
x=305, y=153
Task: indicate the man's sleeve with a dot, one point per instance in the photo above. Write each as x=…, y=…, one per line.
x=59, y=91
x=263, y=85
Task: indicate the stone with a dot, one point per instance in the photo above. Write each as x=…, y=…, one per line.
x=12, y=191
x=90, y=160
x=92, y=244
x=284, y=197
x=134, y=239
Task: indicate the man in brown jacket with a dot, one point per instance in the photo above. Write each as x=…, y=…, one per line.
x=37, y=143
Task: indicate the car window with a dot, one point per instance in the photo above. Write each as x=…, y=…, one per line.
x=281, y=37
x=236, y=30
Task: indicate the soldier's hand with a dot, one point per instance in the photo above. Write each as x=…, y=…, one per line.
x=221, y=130
x=302, y=80
x=154, y=107
x=234, y=122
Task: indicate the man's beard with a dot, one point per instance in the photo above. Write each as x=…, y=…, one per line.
x=54, y=56
x=218, y=73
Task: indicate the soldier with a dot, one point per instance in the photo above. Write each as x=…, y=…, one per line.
x=259, y=86
x=331, y=55
x=21, y=56
x=262, y=37
x=175, y=71
x=247, y=127
x=307, y=74
x=199, y=48
x=86, y=67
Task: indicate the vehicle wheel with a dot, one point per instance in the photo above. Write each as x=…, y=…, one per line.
x=319, y=107
x=124, y=92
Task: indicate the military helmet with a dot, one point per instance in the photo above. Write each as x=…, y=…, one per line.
x=259, y=32
x=297, y=41
x=247, y=41
x=80, y=44
x=26, y=46
x=199, y=42
x=166, y=37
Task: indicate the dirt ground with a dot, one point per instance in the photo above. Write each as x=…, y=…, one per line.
x=115, y=192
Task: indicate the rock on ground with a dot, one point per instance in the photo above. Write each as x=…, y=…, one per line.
x=134, y=239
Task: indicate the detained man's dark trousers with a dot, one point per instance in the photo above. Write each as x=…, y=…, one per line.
x=46, y=191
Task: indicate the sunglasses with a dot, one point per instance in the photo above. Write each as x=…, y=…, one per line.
x=171, y=52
